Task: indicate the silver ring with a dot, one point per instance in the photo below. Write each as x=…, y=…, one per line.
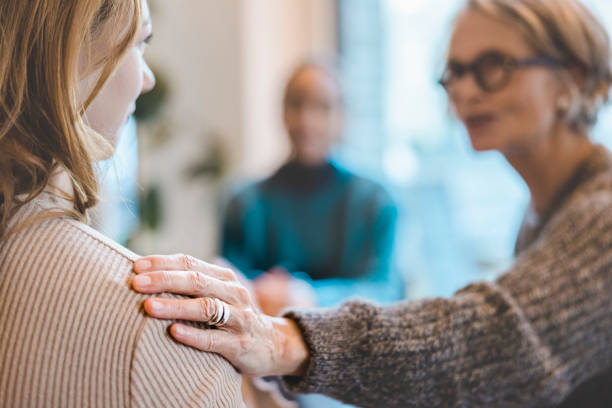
x=222, y=314
x=226, y=315
x=218, y=316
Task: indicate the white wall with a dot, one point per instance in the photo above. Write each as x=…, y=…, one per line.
x=277, y=34
x=226, y=61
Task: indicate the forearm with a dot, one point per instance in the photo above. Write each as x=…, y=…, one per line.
x=527, y=340
x=474, y=349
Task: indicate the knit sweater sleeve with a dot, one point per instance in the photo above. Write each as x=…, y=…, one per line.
x=526, y=340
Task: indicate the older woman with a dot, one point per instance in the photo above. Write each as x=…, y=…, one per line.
x=73, y=334
x=527, y=78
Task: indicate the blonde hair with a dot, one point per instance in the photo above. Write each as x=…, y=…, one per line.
x=566, y=31
x=41, y=123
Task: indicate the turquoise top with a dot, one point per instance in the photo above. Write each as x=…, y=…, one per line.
x=323, y=223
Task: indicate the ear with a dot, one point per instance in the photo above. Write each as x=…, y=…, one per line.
x=578, y=78
x=571, y=83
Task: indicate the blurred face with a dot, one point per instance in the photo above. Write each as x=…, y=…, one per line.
x=110, y=110
x=505, y=106
x=312, y=114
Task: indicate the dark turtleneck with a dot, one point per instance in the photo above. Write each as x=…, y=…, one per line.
x=302, y=178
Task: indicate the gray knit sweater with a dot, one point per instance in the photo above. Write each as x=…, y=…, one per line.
x=540, y=336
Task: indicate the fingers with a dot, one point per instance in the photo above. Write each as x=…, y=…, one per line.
x=197, y=310
x=214, y=341
x=166, y=262
x=191, y=284
x=181, y=262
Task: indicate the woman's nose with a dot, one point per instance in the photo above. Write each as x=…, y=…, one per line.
x=148, y=82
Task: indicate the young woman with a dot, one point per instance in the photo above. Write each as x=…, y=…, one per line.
x=527, y=78
x=73, y=334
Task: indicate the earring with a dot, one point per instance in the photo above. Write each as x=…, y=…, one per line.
x=563, y=104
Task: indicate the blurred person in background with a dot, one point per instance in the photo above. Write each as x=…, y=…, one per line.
x=313, y=219
x=527, y=78
x=73, y=333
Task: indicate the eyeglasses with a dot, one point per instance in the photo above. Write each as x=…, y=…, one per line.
x=492, y=70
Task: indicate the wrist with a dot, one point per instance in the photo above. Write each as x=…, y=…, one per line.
x=295, y=355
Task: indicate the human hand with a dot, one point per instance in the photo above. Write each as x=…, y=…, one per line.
x=277, y=290
x=256, y=344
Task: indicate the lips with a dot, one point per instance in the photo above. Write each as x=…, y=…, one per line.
x=478, y=122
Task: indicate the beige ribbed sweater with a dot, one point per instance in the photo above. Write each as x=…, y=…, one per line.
x=73, y=334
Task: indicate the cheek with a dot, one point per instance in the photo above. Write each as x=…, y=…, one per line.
x=334, y=128
x=109, y=110
x=529, y=106
x=126, y=82
x=291, y=120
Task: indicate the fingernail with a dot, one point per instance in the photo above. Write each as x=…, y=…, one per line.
x=155, y=306
x=142, y=265
x=179, y=330
x=142, y=281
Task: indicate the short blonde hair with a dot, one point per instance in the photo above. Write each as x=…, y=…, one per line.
x=41, y=119
x=566, y=31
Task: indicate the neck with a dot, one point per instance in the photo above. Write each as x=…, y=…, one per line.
x=309, y=162
x=549, y=163
x=60, y=185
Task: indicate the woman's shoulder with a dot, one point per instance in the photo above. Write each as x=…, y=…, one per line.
x=92, y=320
x=585, y=212
x=61, y=241
x=49, y=245
x=594, y=194
x=71, y=285
x=92, y=237
x=588, y=210
x=47, y=221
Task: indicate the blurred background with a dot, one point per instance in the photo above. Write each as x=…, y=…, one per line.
x=215, y=121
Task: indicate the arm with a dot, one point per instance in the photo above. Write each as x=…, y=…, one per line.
x=527, y=340
x=167, y=374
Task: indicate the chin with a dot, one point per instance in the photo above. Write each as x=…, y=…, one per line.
x=483, y=143
x=106, y=147
x=482, y=148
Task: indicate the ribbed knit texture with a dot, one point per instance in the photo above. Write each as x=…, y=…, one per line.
x=539, y=335
x=73, y=333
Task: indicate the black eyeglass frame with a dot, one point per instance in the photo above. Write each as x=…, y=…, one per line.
x=509, y=65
